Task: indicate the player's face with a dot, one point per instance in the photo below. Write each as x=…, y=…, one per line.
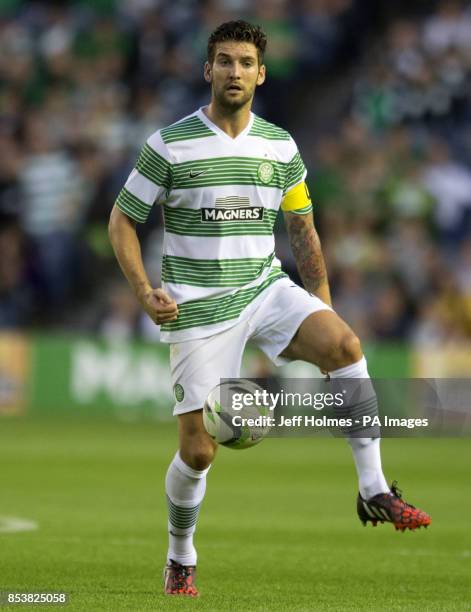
x=234, y=74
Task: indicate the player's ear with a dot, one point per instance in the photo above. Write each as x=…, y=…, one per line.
x=207, y=72
x=262, y=73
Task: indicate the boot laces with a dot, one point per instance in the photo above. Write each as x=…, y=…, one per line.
x=398, y=493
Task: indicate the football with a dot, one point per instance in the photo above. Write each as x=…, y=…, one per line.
x=234, y=415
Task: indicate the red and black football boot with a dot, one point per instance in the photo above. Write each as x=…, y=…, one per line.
x=390, y=507
x=180, y=579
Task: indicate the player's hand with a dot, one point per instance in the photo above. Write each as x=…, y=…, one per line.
x=160, y=307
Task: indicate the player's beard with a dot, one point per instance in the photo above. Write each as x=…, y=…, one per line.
x=224, y=101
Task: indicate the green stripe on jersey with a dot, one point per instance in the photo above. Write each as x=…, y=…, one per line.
x=213, y=272
x=267, y=130
x=302, y=211
x=217, y=171
x=254, y=171
x=154, y=167
x=132, y=206
x=187, y=222
x=188, y=129
x=218, y=309
x=295, y=172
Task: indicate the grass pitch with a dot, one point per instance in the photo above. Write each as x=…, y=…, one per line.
x=277, y=531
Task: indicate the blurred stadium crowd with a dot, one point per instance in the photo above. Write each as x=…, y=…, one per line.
x=377, y=95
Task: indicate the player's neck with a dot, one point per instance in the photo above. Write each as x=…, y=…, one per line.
x=229, y=121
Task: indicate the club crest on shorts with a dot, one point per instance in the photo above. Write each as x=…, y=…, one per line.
x=265, y=172
x=179, y=392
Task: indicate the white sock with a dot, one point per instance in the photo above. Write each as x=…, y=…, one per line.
x=366, y=451
x=185, y=488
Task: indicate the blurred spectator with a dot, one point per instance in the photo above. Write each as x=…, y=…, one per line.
x=351, y=300
x=410, y=249
x=326, y=28
x=282, y=58
x=390, y=318
x=16, y=295
x=52, y=211
x=10, y=155
x=463, y=269
x=448, y=28
x=449, y=181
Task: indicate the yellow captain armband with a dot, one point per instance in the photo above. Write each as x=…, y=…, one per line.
x=297, y=200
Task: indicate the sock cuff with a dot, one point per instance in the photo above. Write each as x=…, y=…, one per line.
x=355, y=370
x=186, y=469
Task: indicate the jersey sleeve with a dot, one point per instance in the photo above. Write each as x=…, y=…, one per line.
x=296, y=170
x=296, y=198
x=149, y=182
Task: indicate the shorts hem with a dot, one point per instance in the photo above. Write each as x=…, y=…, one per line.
x=178, y=410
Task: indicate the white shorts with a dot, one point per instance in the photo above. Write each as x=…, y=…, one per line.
x=270, y=323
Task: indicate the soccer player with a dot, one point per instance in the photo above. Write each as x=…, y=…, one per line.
x=221, y=175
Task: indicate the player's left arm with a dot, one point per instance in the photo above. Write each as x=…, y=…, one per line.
x=305, y=242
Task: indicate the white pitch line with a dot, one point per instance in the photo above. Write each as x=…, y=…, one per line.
x=14, y=524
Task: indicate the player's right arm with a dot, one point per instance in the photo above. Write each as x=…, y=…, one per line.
x=156, y=302
x=148, y=183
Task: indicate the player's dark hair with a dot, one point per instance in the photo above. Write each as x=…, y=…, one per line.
x=239, y=31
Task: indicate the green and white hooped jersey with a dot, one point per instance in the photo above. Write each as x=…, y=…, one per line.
x=220, y=199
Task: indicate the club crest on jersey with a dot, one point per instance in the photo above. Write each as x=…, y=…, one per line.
x=265, y=172
x=232, y=208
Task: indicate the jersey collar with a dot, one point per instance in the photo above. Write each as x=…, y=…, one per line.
x=217, y=130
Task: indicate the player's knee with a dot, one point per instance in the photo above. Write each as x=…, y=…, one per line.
x=202, y=458
x=201, y=454
x=347, y=351
x=351, y=348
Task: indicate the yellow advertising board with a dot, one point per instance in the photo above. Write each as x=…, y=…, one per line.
x=14, y=373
